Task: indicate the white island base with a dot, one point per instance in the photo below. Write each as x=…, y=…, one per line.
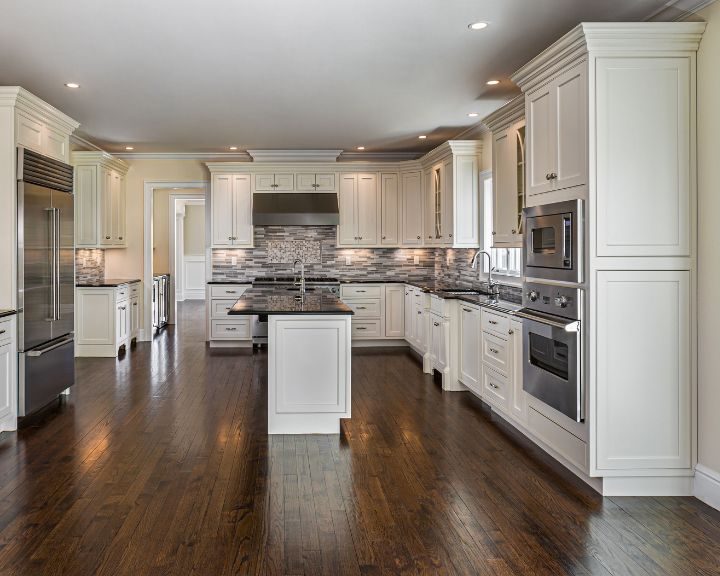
x=308, y=373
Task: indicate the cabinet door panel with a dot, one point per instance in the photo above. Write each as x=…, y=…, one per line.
x=466, y=202
x=7, y=381
x=470, y=348
x=518, y=405
x=325, y=182
x=390, y=233
x=504, y=193
x=407, y=319
x=222, y=210
x=644, y=374
x=265, y=182
x=242, y=207
x=347, y=231
x=119, y=217
x=571, y=107
x=106, y=199
x=447, y=206
x=394, y=311
x=284, y=182
x=541, y=135
x=643, y=199
x=306, y=182
x=412, y=209
x=55, y=144
x=29, y=133
x=367, y=210
x=86, y=206
x=429, y=178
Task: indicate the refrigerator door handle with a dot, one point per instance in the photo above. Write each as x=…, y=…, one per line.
x=53, y=263
x=56, y=254
x=53, y=346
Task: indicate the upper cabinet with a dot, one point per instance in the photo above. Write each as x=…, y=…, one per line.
x=315, y=182
x=390, y=207
x=231, y=211
x=452, y=195
x=274, y=182
x=360, y=213
x=508, y=135
x=412, y=209
x=557, y=122
x=100, y=207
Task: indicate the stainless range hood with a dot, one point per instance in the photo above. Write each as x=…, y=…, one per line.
x=295, y=209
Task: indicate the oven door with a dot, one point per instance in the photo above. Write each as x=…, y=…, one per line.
x=552, y=349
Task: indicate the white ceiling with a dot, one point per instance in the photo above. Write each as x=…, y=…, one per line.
x=194, y=76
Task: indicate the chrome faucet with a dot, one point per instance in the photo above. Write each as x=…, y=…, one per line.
x=492, y=284
x=302, y=274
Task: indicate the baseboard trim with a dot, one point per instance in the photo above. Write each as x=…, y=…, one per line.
x=647, y=486
x=193, y=295
x=707, y=486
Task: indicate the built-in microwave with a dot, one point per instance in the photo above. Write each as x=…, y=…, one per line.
x=553, y=241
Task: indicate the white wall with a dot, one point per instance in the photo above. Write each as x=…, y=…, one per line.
x=709, y=241
x=194, y=230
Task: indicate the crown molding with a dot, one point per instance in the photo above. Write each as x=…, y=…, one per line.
x=352, y=156
x=80, y=141
x=471, y=147
x=678, y=10
x=474, y=132
x=20, y=98
x=202, y=156
x=608, y=38
x=508, y=114
x=294, y=155
x=100, y=158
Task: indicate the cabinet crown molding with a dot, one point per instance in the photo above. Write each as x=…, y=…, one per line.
x=467, y=147
x=503, y=117
x=100, y=159
x=294, y=155
x=18, y=97
x=609, y=38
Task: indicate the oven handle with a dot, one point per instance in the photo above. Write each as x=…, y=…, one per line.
x=567, y=325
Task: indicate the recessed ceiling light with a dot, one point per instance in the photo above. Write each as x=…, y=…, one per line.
x=129, y=148
x=361, y=147
x=477, y=25
x=493, y=82
x=473, y=114
x=72, y=85
x=422, y=137
x=233, y=147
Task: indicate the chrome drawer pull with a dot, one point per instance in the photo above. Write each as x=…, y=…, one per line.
x=2, y=331
x=494, y=385
x=436, y=324
x=492, y=322
x=467, y=310
x=231, y=329
x=360, y=328
x=360, y=308
x=494, y=351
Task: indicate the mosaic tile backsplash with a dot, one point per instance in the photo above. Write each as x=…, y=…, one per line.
x=277, y=247
x=89, y=265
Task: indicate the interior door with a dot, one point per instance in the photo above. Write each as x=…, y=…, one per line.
x=36, y=305
x=65, y=322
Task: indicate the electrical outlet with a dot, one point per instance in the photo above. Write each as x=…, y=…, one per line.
x=233, y=261
x=348, y=260
x=416, y=260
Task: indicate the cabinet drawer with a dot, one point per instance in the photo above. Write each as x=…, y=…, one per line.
x=360, y=291
x=439, y=306
x=230, y=329
x=227, y=290
x=495, y=388
x=365, y=308
x=495, y=352
x=122, y=292
x=366, y=329
x=220, y=308
x=492, y=322
x=135, y=289
x=5, y=332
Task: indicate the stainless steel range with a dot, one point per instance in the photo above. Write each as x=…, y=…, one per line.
x=553, y=346
x=312, y=283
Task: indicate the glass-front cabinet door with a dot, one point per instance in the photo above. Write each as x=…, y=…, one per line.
x=520, y=173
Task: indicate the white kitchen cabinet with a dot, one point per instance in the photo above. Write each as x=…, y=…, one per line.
x=224, y=330
x=412, y=209
x=469, y=372
x=8, y=374
x=359, y=203
x=33, y=133
x=100, y=200
x=557, y=119
x=315, y=182
x=407, y=320
x=274, y=182
x=394, y=311
x=436, y=228
x=508, y=128
x=644, y=370
x=518, y=396
x=231, y=211
x=439, y=342
x=390, y=210
x=104, y=319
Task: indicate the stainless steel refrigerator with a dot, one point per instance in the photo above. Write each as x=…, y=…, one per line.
x=46, y=280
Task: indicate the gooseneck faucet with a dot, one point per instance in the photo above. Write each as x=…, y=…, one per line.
x=492, y=284
x=302, y=274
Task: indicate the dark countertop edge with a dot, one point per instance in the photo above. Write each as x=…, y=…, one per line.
x=290, y=313
x=6, y=313
x=238, y=282
x=109, y=283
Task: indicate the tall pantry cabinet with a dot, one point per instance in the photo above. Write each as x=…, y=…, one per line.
x=611, y=119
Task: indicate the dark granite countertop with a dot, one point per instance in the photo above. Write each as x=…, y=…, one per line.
x=107, y=283
x=230, y=282
x=278, y=301
x=6, y=312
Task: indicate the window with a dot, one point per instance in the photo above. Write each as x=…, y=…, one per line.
x=506, y=261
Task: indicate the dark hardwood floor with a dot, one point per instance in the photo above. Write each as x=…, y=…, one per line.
x=159, y=463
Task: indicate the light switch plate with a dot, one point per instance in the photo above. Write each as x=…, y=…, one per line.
x=416, y=260
x=233, y=261
x=348, y=260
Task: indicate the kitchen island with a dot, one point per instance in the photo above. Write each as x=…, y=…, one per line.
x=309, y=357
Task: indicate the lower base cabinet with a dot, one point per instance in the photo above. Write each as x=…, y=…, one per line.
x=8, y=375
x=224, y=330
x=379, y=311
x=107, y=320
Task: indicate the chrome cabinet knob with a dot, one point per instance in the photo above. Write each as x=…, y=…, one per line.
x=107, y=237
x=418, y=237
